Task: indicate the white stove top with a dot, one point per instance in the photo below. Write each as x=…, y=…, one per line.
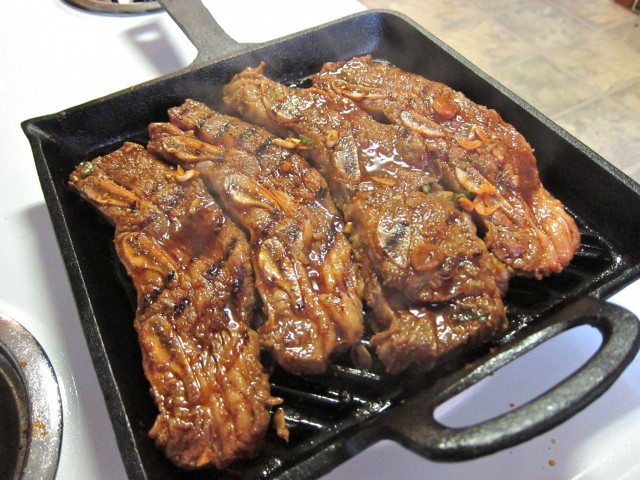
x=54, y=57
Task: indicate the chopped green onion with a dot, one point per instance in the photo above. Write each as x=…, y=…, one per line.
x=467, y=314
x=306, y=140
x=467, y=194
x=86, y=169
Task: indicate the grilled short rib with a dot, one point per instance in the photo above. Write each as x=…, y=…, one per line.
x=305, y=269
x=442, y=291
x=191, y=269
x=480, y=154
x=433, y=287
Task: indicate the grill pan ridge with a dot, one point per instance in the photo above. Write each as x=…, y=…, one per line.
x=333, y=416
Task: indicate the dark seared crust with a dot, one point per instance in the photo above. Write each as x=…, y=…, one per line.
x=429, y=279
x=480, y=154
x=190, y=266
x=305, y=270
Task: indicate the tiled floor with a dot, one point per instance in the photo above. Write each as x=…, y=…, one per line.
x=577, y=61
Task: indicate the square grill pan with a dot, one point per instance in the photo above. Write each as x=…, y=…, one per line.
x=333, y=416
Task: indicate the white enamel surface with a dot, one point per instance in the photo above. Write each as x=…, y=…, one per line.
x=54, y=57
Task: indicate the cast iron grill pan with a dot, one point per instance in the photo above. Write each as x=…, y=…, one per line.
x=333, y=416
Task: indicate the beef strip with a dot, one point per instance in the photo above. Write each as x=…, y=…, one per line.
x=191, y=270
x=305, y=269
x=429, y=280
x=525, y=226
x=439, y=292
x=344, y=143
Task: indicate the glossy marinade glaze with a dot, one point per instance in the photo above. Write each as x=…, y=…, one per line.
x=191, y=269
x=481, y=156
x=433, y=287
x=306, y=272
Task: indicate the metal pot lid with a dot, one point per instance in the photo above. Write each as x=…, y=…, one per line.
x=30, y=406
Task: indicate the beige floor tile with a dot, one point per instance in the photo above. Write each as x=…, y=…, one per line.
x=630, y=98
x=627, y=32
x=544, y=25
x=441, y=19
x=484, y=44
x=596, y=13
x=609, y=129
x=600, y=60
x=543, y=84
x=493, y=6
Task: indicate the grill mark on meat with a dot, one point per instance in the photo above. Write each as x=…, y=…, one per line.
x=199, y=354
x=150, y=297
x=246, y=135
x=305, y=270
x=261, y=151
x=422, y=275
x=180, y=307
x=223, y=129
x=525, y=226
x=397, y=235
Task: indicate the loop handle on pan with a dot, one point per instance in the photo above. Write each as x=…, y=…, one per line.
x=413, y=424
x=206, y=34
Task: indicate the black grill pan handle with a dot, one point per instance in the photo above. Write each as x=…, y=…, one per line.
x=413, y=423
x=206, y=34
